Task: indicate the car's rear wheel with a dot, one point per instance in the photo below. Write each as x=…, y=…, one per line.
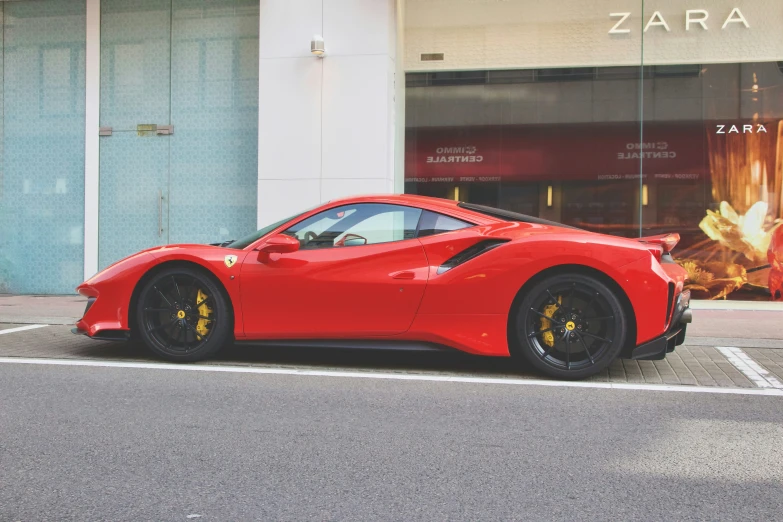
x=182, y=315
x=570, y=326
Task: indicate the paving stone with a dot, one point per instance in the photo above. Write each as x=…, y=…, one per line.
x=649, y=372
x=737, y=377
x=687, y=365
x=616, y=371
x=770, y=360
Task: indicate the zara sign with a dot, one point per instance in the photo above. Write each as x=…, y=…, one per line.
x=694, y=19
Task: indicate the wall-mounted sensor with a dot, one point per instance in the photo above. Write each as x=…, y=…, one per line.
x=317, y=46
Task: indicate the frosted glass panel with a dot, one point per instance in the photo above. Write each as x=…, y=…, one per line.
x=135, y=79
x=42, y=180
x=214, y=149
x=133, y=181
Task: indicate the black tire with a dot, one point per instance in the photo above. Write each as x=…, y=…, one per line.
x=569, y=326
x=182, y=315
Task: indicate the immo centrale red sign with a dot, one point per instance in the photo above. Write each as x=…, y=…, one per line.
x=556, y=152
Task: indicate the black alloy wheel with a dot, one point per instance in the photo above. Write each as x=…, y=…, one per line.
x=570, y=326
x=182, y=315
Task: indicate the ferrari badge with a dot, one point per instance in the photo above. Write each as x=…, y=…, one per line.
x=230, y=260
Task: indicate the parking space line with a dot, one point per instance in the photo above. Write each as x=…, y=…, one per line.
x=394, y=376
x=760, y=376
x=22, y=328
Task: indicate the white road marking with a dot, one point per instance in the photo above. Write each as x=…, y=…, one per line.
x=22, y=328
x=760, y=376
x=426, y=377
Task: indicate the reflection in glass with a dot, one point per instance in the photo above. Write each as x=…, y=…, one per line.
x=565, y=144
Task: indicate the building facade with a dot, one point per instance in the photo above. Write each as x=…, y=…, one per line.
x=128, y=124
x=623, y=117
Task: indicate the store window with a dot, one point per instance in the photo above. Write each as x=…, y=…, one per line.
x=664, y=118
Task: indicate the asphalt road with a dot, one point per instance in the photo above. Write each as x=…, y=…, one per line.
x=98, y=443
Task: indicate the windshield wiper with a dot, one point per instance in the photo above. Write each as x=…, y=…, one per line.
x=223, y=244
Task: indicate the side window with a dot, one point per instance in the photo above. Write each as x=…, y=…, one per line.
x=356, y=225
x=434, y=223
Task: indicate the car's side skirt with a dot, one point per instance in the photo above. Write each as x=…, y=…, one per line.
x=353, y=344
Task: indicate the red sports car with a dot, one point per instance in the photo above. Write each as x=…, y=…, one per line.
x=403, y=272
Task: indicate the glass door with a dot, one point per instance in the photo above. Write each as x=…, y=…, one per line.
x=135, y=113
x=179, y=92
x=214, y=110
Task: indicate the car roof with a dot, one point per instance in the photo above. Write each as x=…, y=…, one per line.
x=479, y=213
x=445, y=206
x=410, y=199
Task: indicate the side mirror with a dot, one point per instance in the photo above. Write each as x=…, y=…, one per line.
x=278, y=244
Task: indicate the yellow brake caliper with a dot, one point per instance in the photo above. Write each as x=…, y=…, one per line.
x=549, y=310
x=203, y=325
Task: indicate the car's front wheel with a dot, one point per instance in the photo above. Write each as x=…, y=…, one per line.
x=569, y=326
x=182, y=315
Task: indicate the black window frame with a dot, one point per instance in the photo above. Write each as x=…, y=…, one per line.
x=507, y=215
x=425, y=211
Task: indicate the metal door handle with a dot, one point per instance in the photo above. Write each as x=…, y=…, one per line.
x=160, y=213
x=404, y=274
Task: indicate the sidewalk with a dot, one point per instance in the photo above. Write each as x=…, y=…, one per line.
x=41, y=309
x=721, y=323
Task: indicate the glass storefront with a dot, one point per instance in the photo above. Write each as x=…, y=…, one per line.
x=664, y=118
x=178, y=139
x=42, y=156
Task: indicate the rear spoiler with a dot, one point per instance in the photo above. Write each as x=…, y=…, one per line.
x=664, y=243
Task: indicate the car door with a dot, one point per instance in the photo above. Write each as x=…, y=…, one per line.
x=360, y=271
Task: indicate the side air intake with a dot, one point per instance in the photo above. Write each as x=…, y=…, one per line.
x=469, y=253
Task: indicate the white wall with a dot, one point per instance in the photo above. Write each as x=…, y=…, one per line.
x=499, y=34
x=326, y=125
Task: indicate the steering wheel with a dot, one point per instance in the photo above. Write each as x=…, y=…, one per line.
x=309, y=236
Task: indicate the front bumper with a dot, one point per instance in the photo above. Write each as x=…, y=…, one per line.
x=103, y=334
x=657, y=348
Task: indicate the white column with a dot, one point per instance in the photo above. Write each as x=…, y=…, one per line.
x=91, y=145
x=326, y=125
x=399, y=105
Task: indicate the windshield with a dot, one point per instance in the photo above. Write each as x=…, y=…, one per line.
x=239, y=244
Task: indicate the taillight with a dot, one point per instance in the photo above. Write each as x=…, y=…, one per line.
x=469, y=253
x=660, y=245
x=666, y=242
x=669, y=241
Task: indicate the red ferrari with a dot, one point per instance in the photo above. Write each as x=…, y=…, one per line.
x=403, y=272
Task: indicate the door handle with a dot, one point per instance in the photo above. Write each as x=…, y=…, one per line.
x=160, y=213
x=404, y=274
